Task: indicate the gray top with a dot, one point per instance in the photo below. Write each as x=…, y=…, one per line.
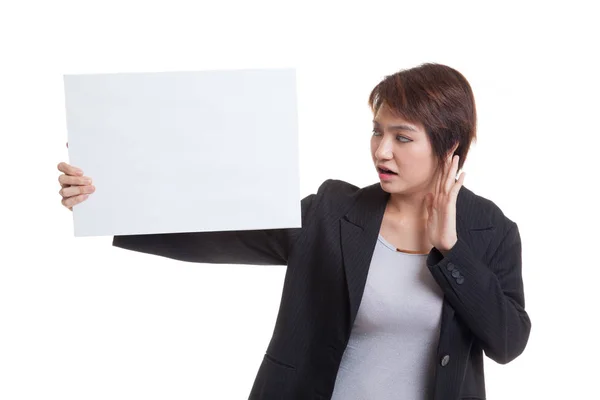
x=392, y=346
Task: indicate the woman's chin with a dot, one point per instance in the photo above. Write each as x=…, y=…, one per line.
x=388, y=186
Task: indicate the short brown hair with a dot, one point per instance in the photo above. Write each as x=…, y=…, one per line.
x=437, y=96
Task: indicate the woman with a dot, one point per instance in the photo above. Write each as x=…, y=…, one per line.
x=394, y=290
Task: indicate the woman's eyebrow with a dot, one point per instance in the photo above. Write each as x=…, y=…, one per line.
x=398, y=127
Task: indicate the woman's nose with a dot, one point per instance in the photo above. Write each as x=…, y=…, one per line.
x=384, y=151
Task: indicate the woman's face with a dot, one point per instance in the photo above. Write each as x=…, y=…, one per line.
x=402, y=147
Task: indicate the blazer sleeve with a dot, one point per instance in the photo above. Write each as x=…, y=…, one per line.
x=257, y=247
x=488, y=298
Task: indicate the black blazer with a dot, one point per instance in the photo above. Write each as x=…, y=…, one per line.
x=327, y=264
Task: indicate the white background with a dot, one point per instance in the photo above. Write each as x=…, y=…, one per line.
x=80, y=319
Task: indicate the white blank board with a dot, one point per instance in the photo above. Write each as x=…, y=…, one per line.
x=196, y=151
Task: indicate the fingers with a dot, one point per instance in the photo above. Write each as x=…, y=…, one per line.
x=67, y=180
x=71, y=191
x=73, y=195
x=69, y=169
x=450, y=173
x=438, y=184
x=75, y=187
x=458, y=183
x=72, y=201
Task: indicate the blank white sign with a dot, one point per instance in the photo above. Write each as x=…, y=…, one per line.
x=176, y=152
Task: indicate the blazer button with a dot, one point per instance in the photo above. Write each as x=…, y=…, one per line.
x=460, y=280
x=456, y=273
x=449, y=266
x=445, y=360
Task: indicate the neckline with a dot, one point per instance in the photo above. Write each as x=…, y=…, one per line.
x=397, y=250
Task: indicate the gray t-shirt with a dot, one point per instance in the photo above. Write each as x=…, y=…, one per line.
x=392, y=346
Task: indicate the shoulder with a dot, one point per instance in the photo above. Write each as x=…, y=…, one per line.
x=335, y=191
x=337, y=188
x=338, y=196
x=479, y=212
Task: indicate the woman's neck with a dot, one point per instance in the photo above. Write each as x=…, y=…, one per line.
x=407, y=209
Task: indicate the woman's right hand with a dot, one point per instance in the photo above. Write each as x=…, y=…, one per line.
x=75, y=187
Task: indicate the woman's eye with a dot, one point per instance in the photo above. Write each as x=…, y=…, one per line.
x=401, y=139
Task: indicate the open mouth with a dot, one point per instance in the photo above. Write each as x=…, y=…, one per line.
x=385, y=171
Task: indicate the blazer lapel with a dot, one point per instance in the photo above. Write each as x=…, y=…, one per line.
x=359, y=229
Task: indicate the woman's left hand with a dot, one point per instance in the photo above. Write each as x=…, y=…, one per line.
x=441, y=207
